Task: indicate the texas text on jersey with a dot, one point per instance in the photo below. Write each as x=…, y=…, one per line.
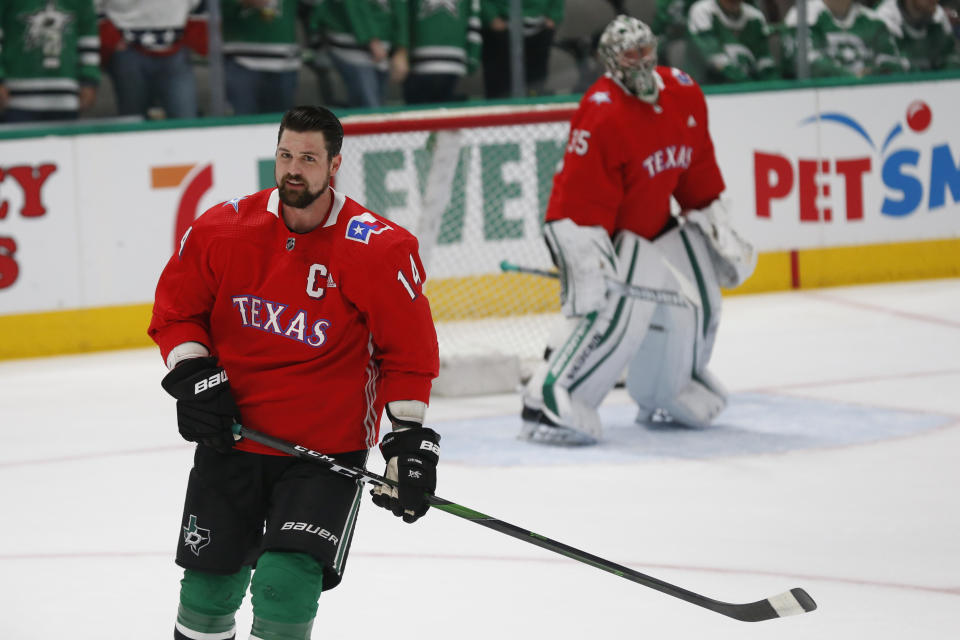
x=626, y=157
x=340, y=307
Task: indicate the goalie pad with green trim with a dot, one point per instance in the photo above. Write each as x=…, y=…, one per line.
x=589, y=356
x=668, y=372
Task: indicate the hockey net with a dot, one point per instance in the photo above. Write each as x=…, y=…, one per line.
x=472, y=184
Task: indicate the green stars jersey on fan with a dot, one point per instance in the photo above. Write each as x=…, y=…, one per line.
x=857, y=44
x=263, y=39
x=444, y=36
x=928, y=45
x=47, y=48
x=725, y=48
x=350, y=25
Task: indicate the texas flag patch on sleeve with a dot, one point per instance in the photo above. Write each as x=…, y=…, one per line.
x=362, y=226
x=681, y=76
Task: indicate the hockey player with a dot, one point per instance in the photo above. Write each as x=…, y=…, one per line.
x=296, y=312
x=639, y=137
x=49, y=59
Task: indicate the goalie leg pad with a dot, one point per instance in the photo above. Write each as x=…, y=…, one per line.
x=697, y=404
x=689, y=257
x=585, y=258
x=662, y=364
x=567, y=389
x=668, y=371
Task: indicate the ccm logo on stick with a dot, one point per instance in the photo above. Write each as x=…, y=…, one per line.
x=209, y=383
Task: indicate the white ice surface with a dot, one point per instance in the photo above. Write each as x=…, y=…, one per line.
x=835, y=468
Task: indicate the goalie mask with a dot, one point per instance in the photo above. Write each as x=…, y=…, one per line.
x=628, y=50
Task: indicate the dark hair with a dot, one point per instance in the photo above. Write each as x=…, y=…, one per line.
x=309, y=118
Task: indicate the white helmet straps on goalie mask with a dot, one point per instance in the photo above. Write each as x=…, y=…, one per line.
x=628, y=50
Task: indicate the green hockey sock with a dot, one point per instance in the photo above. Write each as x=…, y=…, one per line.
x=285, y=590
x=189, y=620
x=209, y=601
x=268, y=630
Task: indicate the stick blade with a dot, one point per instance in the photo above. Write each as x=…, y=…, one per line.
x=789, y=603
x=792, y=603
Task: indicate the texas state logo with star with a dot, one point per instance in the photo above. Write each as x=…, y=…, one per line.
x=361, y=227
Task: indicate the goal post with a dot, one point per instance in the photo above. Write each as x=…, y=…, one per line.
x=472, y=184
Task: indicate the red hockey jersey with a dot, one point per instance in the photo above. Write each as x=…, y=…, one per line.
x=626, y=157
x=316, y=331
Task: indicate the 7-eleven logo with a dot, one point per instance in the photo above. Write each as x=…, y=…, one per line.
x=193, y=180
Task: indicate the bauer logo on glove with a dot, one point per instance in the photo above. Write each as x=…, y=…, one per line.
x=427, y=445
x=412, y=455
x=206, y=409
x=209, y=383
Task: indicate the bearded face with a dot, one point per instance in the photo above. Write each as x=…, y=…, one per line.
x=303, y=168
x=296, y=192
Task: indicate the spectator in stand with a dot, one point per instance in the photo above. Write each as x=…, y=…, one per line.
x=952, y=9
x=540, y=21
x=923, y=33
x=730, y=42
x=846, y=39
x=444, y=46
x=261, y=56
x=368, y=42
x=669, y=25
x=145, y=47
x=49, y=59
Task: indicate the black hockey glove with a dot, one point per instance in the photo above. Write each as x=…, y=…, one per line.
x=206, y=410
x=412, y=455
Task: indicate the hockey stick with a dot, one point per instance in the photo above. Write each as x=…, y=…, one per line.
x=793, y=602
x=663, y=296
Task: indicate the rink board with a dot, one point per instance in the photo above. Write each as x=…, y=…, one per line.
x=834, y=185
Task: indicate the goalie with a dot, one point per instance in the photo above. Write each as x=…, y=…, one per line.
x=640, y=288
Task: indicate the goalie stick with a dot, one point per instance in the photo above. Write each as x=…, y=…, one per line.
x=793, y=602
x=663, y=296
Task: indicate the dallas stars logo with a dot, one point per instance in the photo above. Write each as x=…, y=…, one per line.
x=45, y=29
x=195, y=537
x=430, y=7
